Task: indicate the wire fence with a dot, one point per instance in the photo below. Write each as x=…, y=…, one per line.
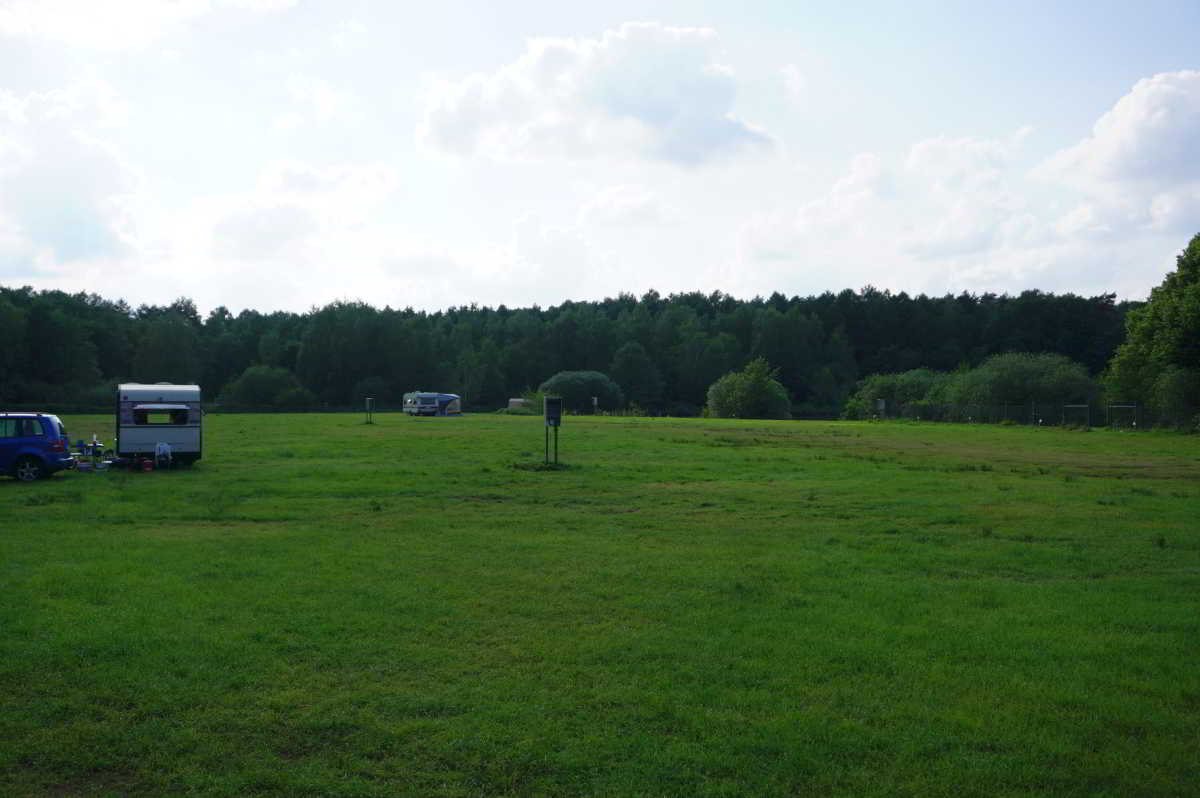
x=1045, y=414
x=1039, y=414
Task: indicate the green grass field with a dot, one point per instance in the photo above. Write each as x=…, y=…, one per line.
x=692, y=608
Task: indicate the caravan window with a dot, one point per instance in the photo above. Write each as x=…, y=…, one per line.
x=160, y=414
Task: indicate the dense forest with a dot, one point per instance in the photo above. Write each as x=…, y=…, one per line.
x=663, y=351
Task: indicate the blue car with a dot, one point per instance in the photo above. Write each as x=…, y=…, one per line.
x=33, y=445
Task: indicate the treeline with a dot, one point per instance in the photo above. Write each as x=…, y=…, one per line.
x=1155, y=370
x=667, y=351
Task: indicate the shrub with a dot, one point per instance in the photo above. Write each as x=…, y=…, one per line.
x=536, y=400
x=1015, y=377
x=906, y=388
x=1175, y=396
x=267, y=387
x=1021, y=377
x=578, y=387
x=753, y=392
x=296, y=400
x=681, y=409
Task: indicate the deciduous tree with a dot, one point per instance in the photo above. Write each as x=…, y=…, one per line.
x=1161, y=353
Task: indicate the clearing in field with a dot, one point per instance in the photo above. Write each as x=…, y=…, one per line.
x=692, y=608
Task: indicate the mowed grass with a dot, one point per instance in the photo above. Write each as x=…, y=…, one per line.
x=692, y=608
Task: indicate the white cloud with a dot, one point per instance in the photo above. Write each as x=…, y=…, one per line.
x=851, y=203
x=962, y=213
x=540, y=263
x=967, y=203
x=335, y=186
x=65, y=194
x=1086, y=220
x=795, y=84
x=113, y=24
x=301, y=235
x=1149, y=138
x=949, y=218
x=1139, y=170
x=263, y=232
x=348, y=33
x=292, y=204
x=964, y=164
x=1176, y=211
x=645, y=89
x=322, y=101
x=844, y=234
x=626, y=206
x=257, y=5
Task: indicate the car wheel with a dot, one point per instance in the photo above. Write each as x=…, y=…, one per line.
x=28, y=469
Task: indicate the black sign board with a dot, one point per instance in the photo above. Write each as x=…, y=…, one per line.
x=553, y=411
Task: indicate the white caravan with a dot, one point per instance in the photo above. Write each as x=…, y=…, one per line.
x=148, y=415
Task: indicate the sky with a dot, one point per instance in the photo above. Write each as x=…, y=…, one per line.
x=284, y=154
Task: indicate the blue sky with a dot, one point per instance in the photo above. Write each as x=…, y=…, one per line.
x=278, y=154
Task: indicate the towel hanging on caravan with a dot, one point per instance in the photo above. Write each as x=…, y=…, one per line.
x=148, y=415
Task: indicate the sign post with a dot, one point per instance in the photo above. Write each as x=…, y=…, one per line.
x=552, y=410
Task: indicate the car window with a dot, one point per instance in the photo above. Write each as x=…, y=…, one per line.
x=19, y=427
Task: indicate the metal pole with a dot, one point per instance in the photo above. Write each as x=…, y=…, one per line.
x=547, y=460
x=556, y=445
